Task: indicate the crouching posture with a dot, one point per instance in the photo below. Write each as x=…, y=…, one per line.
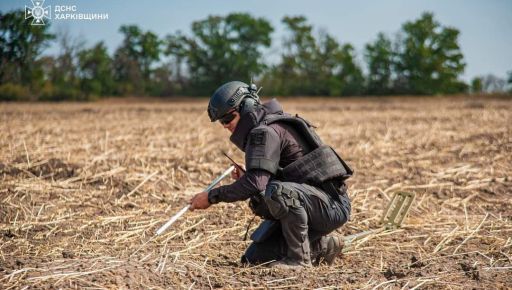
x=293, y=180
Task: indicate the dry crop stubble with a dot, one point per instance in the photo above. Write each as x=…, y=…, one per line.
x=84, y=186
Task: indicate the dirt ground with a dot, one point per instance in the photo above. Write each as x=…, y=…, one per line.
x=83, y=187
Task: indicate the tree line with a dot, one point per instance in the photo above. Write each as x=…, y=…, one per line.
x=424, y=58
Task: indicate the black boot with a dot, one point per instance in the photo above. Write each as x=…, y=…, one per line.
x=326, y=249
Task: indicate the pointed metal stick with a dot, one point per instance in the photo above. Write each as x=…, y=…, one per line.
x=184, y=210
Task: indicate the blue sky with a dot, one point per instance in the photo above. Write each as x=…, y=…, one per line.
x=486, y=38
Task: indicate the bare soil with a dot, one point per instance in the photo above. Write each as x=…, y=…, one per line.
x=83, y=187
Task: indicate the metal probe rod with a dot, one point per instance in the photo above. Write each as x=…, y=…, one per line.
x=183, y=210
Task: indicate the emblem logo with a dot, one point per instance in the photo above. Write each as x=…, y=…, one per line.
x=38, y=12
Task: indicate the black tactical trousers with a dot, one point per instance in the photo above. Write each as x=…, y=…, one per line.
x=301, y=228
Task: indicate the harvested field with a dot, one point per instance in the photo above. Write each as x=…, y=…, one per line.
x=83, y=187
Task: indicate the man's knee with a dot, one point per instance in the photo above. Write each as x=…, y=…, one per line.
x=346, y=207
x=280, y=197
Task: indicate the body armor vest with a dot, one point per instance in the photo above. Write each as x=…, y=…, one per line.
x=317, y=167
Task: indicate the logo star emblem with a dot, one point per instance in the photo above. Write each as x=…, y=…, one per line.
x=38, y=12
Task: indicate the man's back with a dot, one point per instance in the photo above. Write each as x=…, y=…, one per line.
x=293, y=145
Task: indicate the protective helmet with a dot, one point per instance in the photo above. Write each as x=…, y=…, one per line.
x=232, y=96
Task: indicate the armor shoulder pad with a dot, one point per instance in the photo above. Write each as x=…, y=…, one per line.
x=263, y=149
x=300, y=124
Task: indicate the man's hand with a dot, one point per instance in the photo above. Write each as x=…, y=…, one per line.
x=199, y=201
x=237, y=173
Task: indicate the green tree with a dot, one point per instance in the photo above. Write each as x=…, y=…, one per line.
x=298, y=71
x=221, y=49
x=429, y=57
x=509, y=81
x=62, y=77
x=379, y=58
x=476, y=85
x=177, y=50
x=127, y=74
x=134, y=59
x=95, y=67
x=162, y=84
x=314, y=66
x=351, y=75
x=21, y=45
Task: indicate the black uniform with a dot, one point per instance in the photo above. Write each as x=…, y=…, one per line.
x=292, y=179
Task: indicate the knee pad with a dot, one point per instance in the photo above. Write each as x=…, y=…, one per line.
x=279, y=199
